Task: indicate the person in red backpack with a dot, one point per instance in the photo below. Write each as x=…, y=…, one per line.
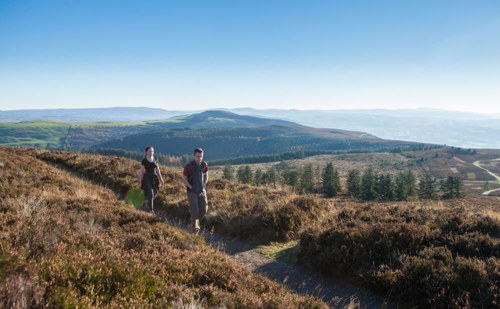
x=195, y=177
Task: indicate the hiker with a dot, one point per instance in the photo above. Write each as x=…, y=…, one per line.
x=148, y=178
x=195, y=177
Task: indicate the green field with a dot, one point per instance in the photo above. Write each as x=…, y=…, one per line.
x=47, y=134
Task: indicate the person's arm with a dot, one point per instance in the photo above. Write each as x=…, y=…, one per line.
x=159, y=174
x=206, y=178
x=186, y=182
x=185, y=174
x=141, y=173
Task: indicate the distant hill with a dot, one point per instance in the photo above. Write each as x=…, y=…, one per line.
x=459, y=129
x=89, y=114
x=68, y=135
x=227, y=142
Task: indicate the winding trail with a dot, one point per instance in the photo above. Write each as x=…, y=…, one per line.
x=477, y=164
x=333, y=291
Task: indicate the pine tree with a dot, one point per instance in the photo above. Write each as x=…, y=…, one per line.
x=271, y=176
x=240, y=174
x=384, y=187
x=291, y=178
x=401, y=191
x=405, y=185
x=452, y=187
x=247, y=174
x=411, y=183
x=330, y=181
x=257, y=177
x=368, y=185
x=427, y=188
x=354, y=183
x=228, y=172
x=389, y=188
x=307, y=179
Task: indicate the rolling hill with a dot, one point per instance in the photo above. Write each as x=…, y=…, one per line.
x=76, y=135
x=459, y=129
x=228, y=142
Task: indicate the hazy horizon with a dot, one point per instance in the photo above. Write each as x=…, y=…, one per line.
x=270, y=108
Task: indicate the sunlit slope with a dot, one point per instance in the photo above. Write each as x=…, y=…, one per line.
x=227, y=142
x=65, y=242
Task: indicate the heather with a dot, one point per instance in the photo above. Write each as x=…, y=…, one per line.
x=67, y=243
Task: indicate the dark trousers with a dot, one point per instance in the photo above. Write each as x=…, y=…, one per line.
x=149, y=192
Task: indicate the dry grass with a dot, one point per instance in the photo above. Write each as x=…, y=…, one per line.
x=67, y=243
x=373, y=243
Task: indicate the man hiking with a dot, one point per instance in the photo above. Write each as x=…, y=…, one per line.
x=195, y=177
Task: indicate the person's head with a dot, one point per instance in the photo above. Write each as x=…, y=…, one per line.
x=150, y=151
x=198, y=155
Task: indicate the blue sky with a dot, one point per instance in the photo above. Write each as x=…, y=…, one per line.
x=261, y=54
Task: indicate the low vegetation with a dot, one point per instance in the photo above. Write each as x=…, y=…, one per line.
x=422, y=252
x=427, y=257
x=67, y=243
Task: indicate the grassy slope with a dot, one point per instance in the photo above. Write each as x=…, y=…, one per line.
x=432, y=252
x=75, y=135
x=48, y=134
x=67, y=243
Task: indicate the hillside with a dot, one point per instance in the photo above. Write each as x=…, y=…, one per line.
x=459, y=129
x=48, y=134
x=439, y=162
x=425, y=253
x=76, y=135
x=65, y=242
x=228, y=142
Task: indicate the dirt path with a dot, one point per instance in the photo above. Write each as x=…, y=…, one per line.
x=477, y=164
x=335, y=292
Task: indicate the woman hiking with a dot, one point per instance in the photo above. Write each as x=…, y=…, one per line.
x=148, y=178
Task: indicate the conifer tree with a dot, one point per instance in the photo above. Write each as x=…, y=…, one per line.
x=228, y=172
x=427, y=187
x=291, y=178
x=240, y=174
x=330, y=181
x=271, y=176
x=368, y=185
x=354, y=183
x=452, y=187
x=258, y=177
x=247, y=172
x=307, y=179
